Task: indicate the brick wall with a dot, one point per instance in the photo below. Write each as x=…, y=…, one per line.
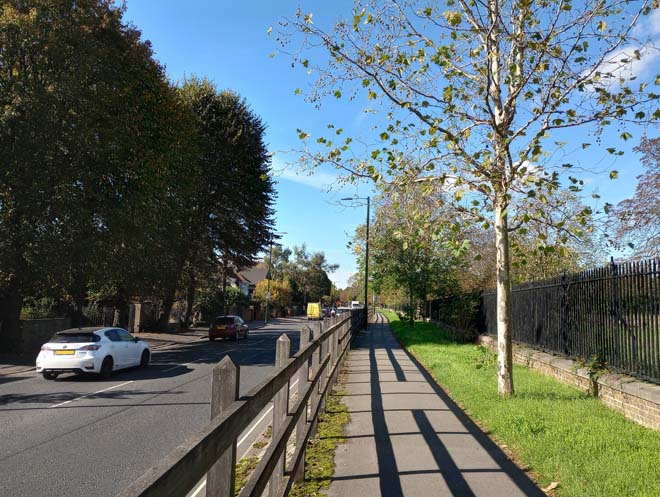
x=638, y=400
x=36, y=332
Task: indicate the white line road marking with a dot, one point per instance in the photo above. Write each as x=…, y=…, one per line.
x=202, y=484
x=240, y=442
x=90, y=394
x=199, y=488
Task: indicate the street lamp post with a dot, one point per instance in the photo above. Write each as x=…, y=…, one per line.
x=268, y=273
x=366, y=262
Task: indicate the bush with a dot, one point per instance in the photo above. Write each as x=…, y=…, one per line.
x=39, y=308
x=461, y=313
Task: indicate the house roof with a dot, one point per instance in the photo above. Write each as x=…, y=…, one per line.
x=253, y=275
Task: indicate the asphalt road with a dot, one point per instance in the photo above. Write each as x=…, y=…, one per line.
x=84, y=437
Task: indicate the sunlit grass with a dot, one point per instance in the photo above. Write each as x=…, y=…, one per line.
x=560, y=433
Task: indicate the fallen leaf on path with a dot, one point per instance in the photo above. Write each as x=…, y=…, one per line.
x=551, y=487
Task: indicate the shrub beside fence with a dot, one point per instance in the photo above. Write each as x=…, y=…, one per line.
x=611, y=312
x=459, y=313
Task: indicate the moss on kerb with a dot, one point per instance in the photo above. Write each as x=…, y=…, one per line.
x=244, y=469
x=320, y=455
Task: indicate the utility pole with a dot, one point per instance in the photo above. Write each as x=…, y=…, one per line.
x=366, y=263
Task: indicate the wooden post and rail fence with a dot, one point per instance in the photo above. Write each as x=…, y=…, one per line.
x=212, y=451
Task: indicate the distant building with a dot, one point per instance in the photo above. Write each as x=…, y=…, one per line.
x=248, y=278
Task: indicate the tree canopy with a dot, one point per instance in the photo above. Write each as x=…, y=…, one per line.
x=476, y=92
x=115, y=184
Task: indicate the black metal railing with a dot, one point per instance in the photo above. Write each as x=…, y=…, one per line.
x=612, y=312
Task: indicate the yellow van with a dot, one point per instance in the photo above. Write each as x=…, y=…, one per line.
x=314, y=311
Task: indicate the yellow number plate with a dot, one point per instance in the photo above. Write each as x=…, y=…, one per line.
x=65, y=352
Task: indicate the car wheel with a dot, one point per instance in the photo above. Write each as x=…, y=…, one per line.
x=48, y=375
x=106, y=368
x=144, y=359
x=247, y=332
x=236, y=335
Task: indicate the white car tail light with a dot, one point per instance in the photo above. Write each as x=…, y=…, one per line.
x=90, y=347
x=45, y=347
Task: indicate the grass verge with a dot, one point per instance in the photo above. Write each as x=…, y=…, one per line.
x=557, y=431
x=320, y=455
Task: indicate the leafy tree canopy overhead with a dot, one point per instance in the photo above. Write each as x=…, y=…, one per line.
x=473, y=91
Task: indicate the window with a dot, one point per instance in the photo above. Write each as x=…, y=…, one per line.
x=75, y=338
x=224, y=320
x=125, y=336
x=113, y=335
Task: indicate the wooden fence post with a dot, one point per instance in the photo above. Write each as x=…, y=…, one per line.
x=303, y=380
x=224, y=391
x=323, y=380
x=315, y=367
x=280, y=409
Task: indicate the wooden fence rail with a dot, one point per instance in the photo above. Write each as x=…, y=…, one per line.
x=212, y=450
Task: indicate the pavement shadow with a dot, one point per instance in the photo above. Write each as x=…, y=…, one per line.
x=9, y=379
x=389, y=475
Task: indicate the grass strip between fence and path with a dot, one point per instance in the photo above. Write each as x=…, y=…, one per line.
x=320, y=454
x=557, y=432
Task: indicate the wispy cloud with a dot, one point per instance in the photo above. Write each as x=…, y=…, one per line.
x=649, y=25
x=324, y=179
x=631, y=62
x=316, y=179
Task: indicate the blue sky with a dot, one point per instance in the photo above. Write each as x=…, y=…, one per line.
x=228, y=43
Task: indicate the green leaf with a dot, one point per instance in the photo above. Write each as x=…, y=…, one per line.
x=614, y=174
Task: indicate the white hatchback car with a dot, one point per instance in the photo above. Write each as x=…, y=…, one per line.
x=99, y=350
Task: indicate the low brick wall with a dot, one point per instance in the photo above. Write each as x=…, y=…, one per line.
x=638, y=400
x=36, y=332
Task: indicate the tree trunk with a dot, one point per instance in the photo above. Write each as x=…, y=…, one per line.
x=120, y=317
x=165, y=311
x=224, y=291
x=77, y=317
x=190, y=298
x=504, y=349
x=411, y=307
x=11, y=303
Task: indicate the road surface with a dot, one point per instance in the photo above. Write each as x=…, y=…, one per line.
x=81, y=437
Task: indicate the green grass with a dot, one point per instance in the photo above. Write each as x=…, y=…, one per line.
x=320, y=454
x=557, y=431
x=244, y=469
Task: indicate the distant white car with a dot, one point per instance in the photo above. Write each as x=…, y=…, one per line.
x=99, y=350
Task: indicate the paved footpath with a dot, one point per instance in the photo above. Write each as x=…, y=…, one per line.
x=406, y=437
